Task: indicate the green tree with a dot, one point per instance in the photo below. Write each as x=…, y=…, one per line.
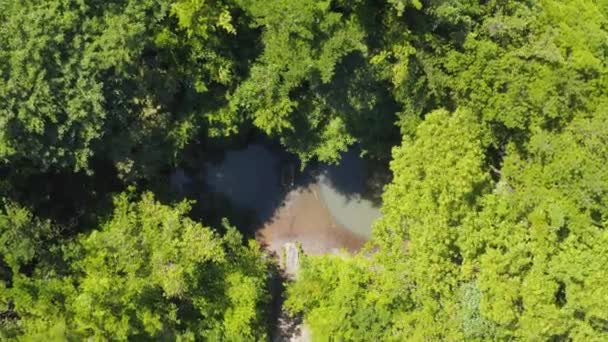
x=351, y=298
x=438, y=176
x=147, y=273
x=31, y=267
x=494, y=221
x=459, y=256
x=518, y=64
x=52, y=104
x=537, y=248
x=288, y=91
x=128, y=81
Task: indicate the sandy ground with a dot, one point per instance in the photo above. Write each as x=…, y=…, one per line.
x=305, y=219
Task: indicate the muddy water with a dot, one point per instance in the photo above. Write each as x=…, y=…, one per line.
x=304, y=218
x=324, y=212
x=343, y=188
x=249, y=178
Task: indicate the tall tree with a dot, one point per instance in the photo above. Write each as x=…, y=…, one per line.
x=494, y=222
x=310, y=87
x=439, y=175
x=148, y=273
x=536, y=250
x=129, y=81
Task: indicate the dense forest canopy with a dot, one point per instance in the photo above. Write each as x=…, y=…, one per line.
x=493, y=115
x=148, y=272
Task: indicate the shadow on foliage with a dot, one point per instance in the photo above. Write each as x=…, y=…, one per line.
x=74, y=201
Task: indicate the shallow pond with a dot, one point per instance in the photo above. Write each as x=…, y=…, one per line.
x=323, y=208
